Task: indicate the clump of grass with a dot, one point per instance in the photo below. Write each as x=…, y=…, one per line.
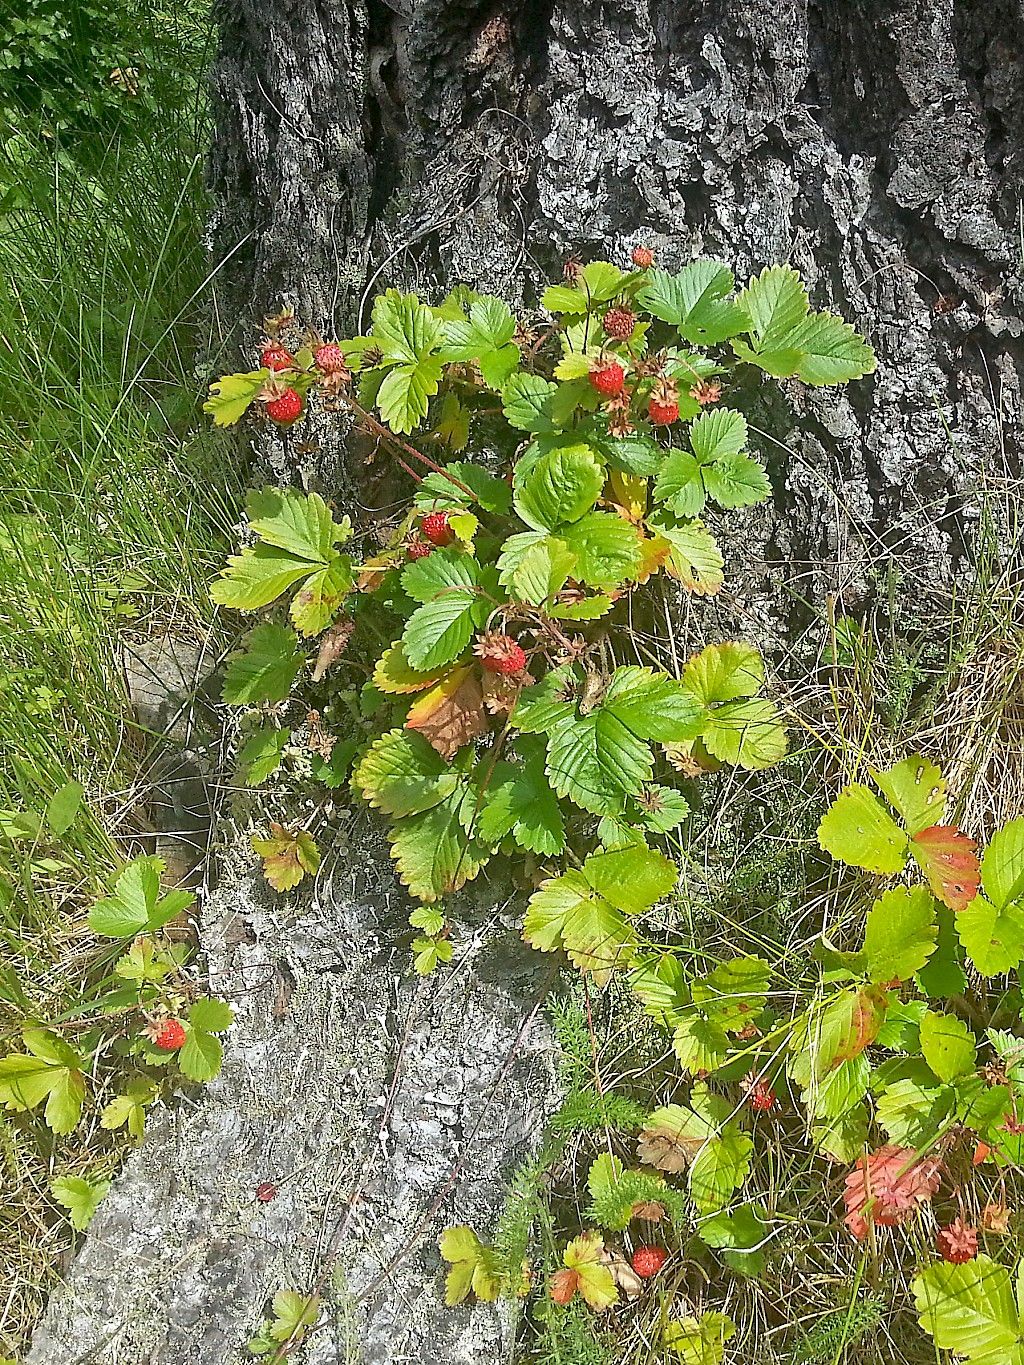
x=114, y=500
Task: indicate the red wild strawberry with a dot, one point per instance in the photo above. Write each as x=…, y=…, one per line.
x=647, y=1261
x=418, y=549
x=608, y=378
x=760, y=1095
x=662, y=414
x=275, y=357
x=169, y=1035
x=266, y=1192
x=285, y=409
x=436, y=529
x=329, y=358
x=619, y=322
x=958, y=1243
x=500, y=654
x=643, y=257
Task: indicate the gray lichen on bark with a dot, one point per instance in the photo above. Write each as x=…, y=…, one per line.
x=876, y=145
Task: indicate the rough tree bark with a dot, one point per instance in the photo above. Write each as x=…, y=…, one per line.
x=876, y=144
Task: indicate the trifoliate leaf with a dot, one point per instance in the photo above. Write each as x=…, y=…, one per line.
x=586, y=1272
x=970, y=1310
x=233, y=394
x=567, y=913
x=693, y=556
x=696, y=301
x=724, y=672
x=486, y=338
x=526, y=400
x=401, y=774
x=80, y=1197
x=266, y=669
x=900, y=934
x=859, y=831
x=559, y=486
x=606, y=549
x=261, y=754
x=135, y=905
x=948, y=1046
x=473, y=1266
x=288, y=855
x=52, y=1072
x=433, y=853
x=429, y=953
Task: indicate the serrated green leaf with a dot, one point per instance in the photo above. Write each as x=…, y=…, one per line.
x=606, y=549
x=718, y=433
x=80, y=1197
x=261, y=754
x=724, y=672
x=739, y=1234
x=653, y=705
x=916, y=789
x=318, y=599
x=747, y=732
x=858, y=830
x=200, y=1057
x=301, y=524
x=526, y=400
x=993, y=939
x=695, y=301
x=680, y=485
x=437, y=492
x=694, y=557
x=596, y=761
x=567, y=913
x=969, y=1309
x=1002, y=866
x=534, y=566
x=401, y=774
x=135, y=905
x=232, y=395
x=266, y=669
x=404, y=394
x=734, y=992
x=257, y=577
x=900, y=934
x=62, y=808
x=439, y=631
x=736, y=481
x=948, y=1045
x=519, y=801
x=432, y=851
x=632, y=879
x=559, y=486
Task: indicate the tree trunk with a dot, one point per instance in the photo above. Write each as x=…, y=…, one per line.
x=875, y=145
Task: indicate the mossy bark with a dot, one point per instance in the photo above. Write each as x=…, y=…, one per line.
x=876, y=146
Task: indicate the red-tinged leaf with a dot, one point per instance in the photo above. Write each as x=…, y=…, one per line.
x=564, y=1284
x=949, y=861
x=867, y=1015
x=451, y=713
x=887, y=1187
